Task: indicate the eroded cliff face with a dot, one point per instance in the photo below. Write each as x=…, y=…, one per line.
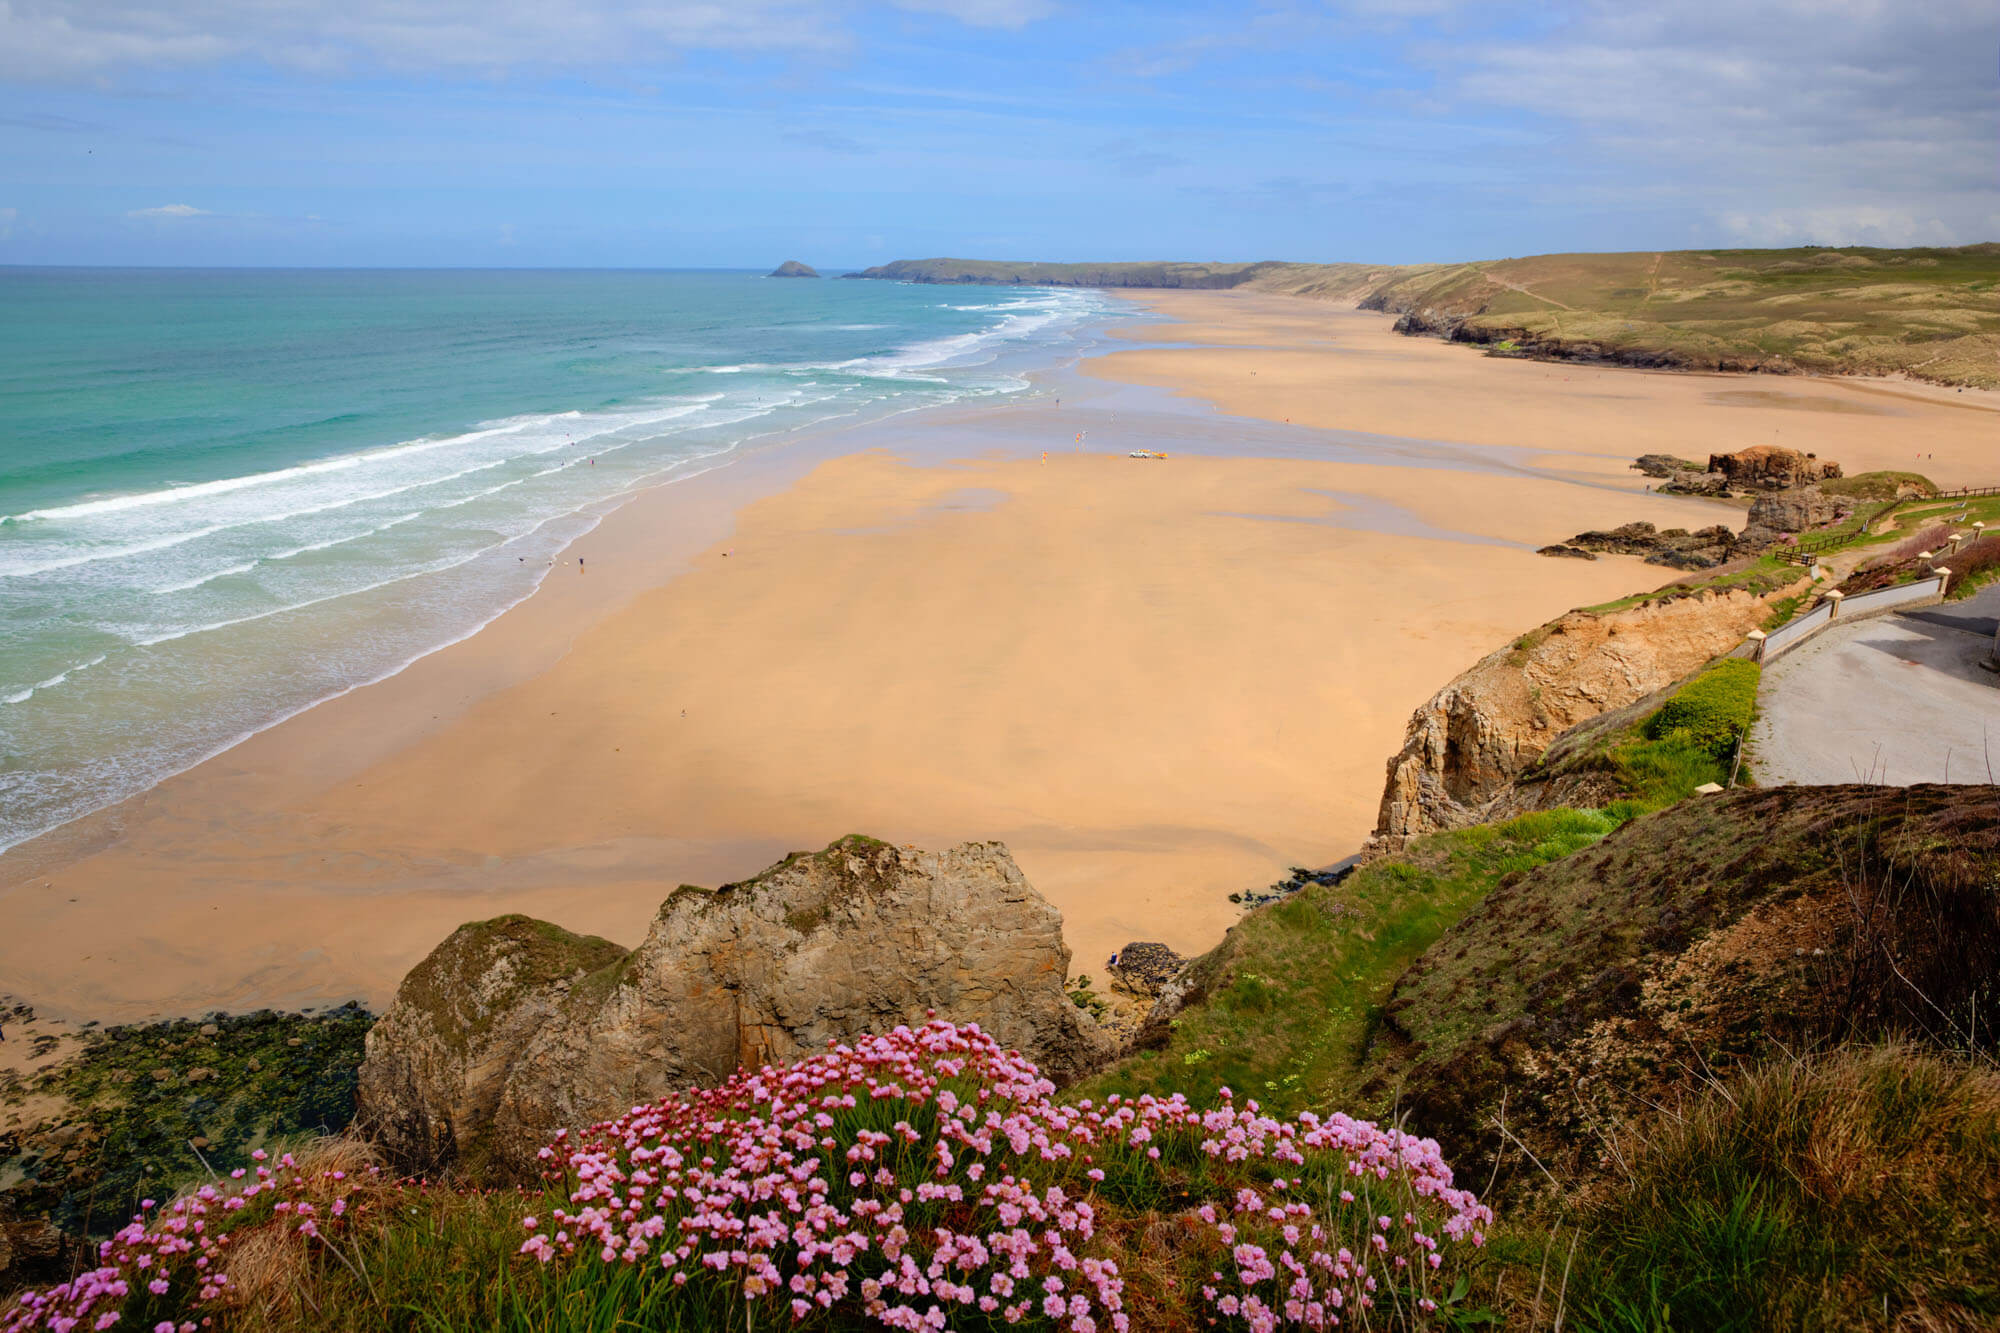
x=513, y=1029
x=1465, y=746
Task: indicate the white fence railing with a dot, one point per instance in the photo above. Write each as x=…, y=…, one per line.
x=1782, y=638
x=1839, y=609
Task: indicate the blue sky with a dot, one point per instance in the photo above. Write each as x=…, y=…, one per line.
x=742, y=132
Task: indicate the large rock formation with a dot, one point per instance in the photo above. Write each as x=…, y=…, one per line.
x=1466, y=745
x=1772, y=467
x=513, y=1029
x=792, y=268
x=1775, y=515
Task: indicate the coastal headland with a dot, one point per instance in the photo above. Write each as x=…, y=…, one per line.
x=1159, y=682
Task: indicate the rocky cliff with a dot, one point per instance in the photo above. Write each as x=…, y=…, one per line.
x=513, y=1029
x=1466, y=745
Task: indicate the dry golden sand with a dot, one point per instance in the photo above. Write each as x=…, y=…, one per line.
x=1139, y=675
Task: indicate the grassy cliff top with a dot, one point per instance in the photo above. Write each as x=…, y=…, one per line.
x=1930, y=313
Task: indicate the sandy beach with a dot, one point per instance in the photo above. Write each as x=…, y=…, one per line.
x=1157, y=682
x=1327, y=365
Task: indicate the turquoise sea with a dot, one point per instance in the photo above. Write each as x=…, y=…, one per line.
x=227, y=495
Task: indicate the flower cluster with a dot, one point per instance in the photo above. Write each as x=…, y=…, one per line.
x=921, y=1180
x=170, y=1260
x=926, y=1172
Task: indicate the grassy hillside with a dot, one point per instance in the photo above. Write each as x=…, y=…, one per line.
x=1930, y=313
x=1933, y=314
x=1725, y=1066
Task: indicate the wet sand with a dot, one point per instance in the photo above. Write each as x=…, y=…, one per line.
x=1158, y=682
x=1316, y=363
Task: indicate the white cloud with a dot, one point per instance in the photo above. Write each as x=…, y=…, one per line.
x=1858, y=225
x=983, y=13
x=170, y=211
x=7, y=217
x=56, y=40
x=1787, y=120
x=50, y=40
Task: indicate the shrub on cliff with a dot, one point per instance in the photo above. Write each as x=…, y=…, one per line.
x=1711, y=710
x=920, y=1180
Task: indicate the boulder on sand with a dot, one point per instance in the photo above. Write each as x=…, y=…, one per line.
x=513, y=1028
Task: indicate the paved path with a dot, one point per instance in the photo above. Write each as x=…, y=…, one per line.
x=1896, y=699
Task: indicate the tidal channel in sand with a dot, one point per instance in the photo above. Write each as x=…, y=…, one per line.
x=1157, y=682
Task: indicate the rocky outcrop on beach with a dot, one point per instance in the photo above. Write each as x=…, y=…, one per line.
x=792, y=268
x=513, y=1028
x=1144, y=970
x=1776, y=515
x=1663, y=465
x=1772, y=467
x=1465, y=746
x=1675, y=548
x=1788, y=500
x=1683, y=477
x=1712, y=485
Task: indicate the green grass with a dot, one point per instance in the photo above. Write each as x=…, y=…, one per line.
x=1877, y=485
x=1712, y=711
x=1762, y=577
x=1662, y=772
x=448, y=1261
x=1859, y=1189
x=1783, y=610
x=1855, y=528
x=1933, y=314
x=1299, y=985
x=1899, y=521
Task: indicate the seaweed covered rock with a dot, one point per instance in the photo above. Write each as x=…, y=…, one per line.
x=1713, y=484
x=513, y=1029
x=1584, y=991
x=1664, y=465
x=1676, y=548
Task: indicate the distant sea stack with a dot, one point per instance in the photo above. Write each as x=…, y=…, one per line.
x=792, y=268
